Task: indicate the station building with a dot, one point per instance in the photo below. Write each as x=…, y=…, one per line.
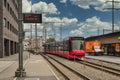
x=8, y=27
x=110, y=43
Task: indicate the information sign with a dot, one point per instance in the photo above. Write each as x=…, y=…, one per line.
x=32, y=18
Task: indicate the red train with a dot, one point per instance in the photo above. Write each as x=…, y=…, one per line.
x=71, y=48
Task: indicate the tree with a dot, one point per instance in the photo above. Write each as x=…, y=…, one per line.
x=51, y=40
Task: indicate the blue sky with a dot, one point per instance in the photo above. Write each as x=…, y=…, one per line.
x=79, y=17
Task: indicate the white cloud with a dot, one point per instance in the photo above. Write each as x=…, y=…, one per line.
x=98, y=4
x=76, y=32
x=61, y=22
x=86, y=3
x=63, y=1
x=66, y=23
x=44, y=7
x=70, y=21
x=26, y=7
x=91, y=25
x=94, y=23
x=40, y=7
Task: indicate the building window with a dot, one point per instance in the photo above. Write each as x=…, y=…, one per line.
x=10, y=10
x=8, y=24
x=5, y=3
x=10, y=27
x=16, y=3
x=8, y=6
x=4, y=22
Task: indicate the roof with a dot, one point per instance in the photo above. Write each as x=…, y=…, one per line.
x=109, y=34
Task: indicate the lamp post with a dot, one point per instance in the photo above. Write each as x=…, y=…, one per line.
x=20, y=71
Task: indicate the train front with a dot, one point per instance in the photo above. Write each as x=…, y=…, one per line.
x=77, y=47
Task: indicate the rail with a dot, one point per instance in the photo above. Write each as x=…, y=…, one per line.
x=70, y=69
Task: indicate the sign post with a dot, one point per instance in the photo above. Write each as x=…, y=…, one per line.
x=26, y=18
x=33, y=18
x=20, y=72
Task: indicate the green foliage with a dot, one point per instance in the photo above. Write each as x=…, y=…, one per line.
x=118, y=37
x=51, y=40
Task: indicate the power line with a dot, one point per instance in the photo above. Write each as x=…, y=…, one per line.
x=53, y=29
x=113, y=9
x=108, y=30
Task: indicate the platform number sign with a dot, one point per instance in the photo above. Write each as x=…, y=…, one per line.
x=32, y=18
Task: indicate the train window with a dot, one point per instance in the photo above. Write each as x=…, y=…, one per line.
x=77, y=45
x=56, y=45
x=61, y=46
x=66, y=45
x=81, y=45
x=48, y=46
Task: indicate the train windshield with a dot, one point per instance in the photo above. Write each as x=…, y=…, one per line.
x=77, y=45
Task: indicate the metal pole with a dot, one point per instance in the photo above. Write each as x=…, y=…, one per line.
x=30, y=40
x=98, y=30
x=60, y=32
x=36, y=36
x=45, y=34
x=103, y=31
x=112, y=15
x=113, y=11
x=54, y=30
x=31, y=29
x=20, y=38
x=54, y=35
x=20, y=71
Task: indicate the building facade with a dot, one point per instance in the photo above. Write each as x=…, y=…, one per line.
x=110, y=43
x=30, y=44
x=8, y=27
x=38, y=45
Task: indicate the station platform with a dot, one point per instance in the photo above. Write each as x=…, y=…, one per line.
x=36, y=68
x=106, y=58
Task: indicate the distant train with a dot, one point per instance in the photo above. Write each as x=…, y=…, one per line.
x=71, y=48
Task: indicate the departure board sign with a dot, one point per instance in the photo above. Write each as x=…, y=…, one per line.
x=32, y=18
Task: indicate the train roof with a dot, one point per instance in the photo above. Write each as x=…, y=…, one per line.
x=67, y=38
x=72, y=37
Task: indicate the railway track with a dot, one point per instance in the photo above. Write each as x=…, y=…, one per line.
x=101, y=66
x=86, y=70
x=67, y=72
x=102, y=61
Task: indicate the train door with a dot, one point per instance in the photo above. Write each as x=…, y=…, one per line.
x=66, y=48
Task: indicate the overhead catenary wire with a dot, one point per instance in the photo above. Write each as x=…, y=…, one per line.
x=113, y=11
